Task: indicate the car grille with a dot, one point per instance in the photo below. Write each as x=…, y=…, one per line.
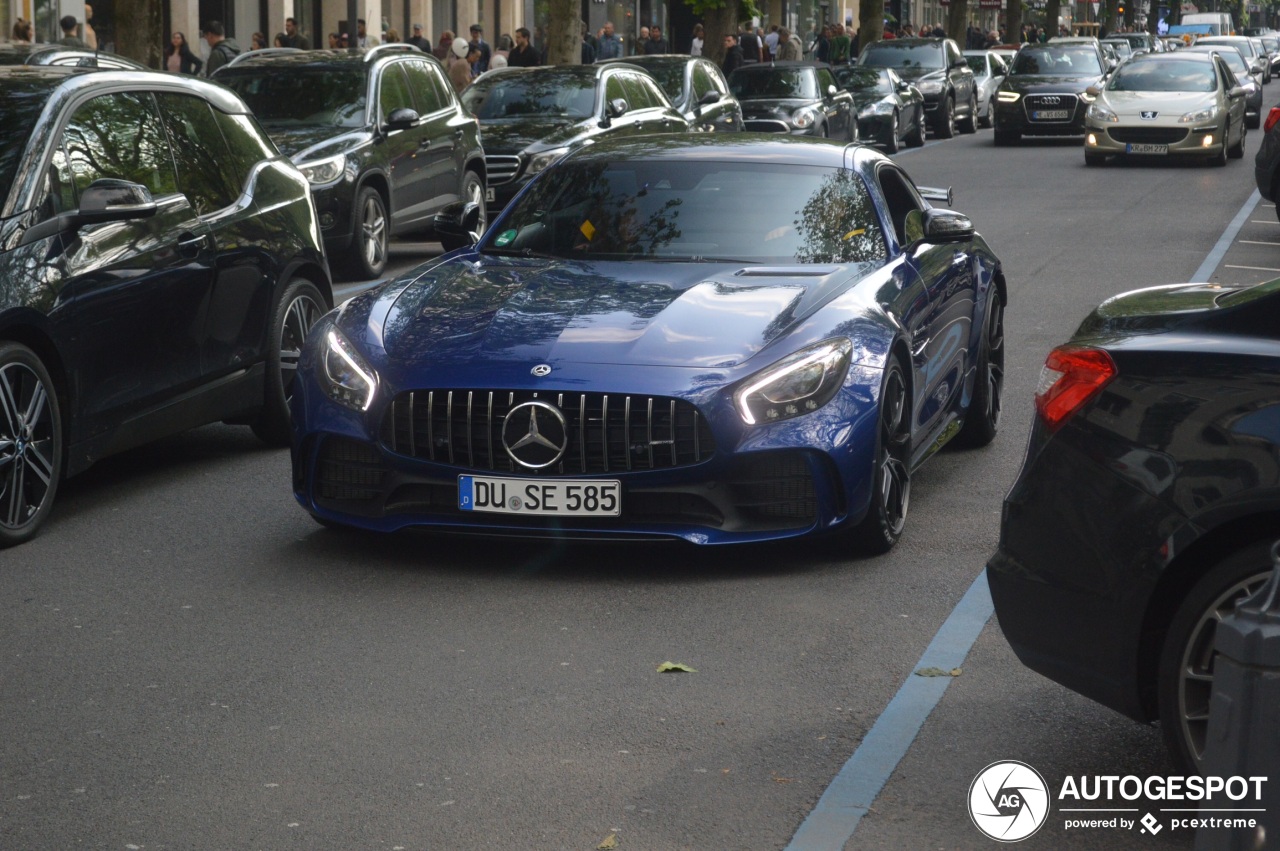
x=1066, y=101
x=348, y=471
x=1148, y=135
x=606, y=433
x=775, y=486
x=760, y=125
x=500, y=169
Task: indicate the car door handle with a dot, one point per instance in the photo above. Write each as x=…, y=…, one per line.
x=189, y=244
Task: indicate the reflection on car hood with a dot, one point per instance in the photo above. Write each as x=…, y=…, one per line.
x=862, y=100
x=511, y=136
x=1031, y=83
x=758, y=107
x=1152, y=309
x=651, y=314
x=915, y=74
x=1132, y=103
x=301, y=143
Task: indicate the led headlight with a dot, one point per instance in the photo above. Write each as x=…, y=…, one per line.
x=929, y=87
x=1207, y=114
x=538, y=162
x=1098, y=112
x=798, y=384
x=1008, y=97
x=327, y=170
x=803, y=117
x=349, y=379
x=880, y=107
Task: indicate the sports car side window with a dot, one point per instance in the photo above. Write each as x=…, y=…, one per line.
x=903, y=200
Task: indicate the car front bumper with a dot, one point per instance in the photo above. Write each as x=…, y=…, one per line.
x=1146, y=139
x=1018, y=118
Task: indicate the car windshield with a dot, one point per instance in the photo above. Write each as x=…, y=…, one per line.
x=1122, y=48
x=323, y=96
x=20, y=105
x=865, y=80
x=1183, y=75
x=1244, y=47
x=1077, y=61
x=693, y=211
x=886, y=54
x=522, y=95
x=670, y=76
x=771, y=82
x=1272, y=44
x=1232, y=57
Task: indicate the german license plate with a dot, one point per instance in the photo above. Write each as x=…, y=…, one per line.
x=489, y=195
x=557, y=498
x=1145, y=148
x=1050, y=115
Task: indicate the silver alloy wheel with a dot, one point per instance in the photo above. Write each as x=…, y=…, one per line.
x=1195, y=674
x=895, y=477
x=995, y=365
x=373, y=228
x=475, y=195
x=27, y=451
x=298, y=318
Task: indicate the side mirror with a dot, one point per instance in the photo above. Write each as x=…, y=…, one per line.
x=460, y=220
x=1255, y=67
x=110, y=200
x=617, y=108
x=1236, y=92
x=831, y=91
x=401, y=119
x=933, y=193
x=947, y=226
x=962, y=63
x=709, y=98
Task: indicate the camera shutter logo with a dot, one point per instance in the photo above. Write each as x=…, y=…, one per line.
x=1008, y=801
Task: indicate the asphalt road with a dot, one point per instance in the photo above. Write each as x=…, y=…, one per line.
x=190, y=662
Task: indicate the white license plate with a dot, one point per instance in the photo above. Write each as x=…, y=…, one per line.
x=489, y=195
x=1050, y=115
x=558, y=497
x=1143, y=148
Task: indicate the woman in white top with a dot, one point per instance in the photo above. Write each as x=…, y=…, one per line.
x=696, y=50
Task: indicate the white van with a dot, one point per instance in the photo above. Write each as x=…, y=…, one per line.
x=1219, y=22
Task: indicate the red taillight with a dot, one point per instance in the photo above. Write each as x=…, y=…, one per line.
x=1272, y=117
x=1071, y=377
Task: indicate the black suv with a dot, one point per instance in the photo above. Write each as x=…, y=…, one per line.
x=160, y=266
x=1046, y=90
x=939, y=70
x=379, y=133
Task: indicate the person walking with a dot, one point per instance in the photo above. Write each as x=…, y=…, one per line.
x=750, y=44
x=840, y=46
x=699, y=39
x=771, y=43
x=179, y=58
x=477, y=38
x=363, y=39
x=444, y=46
x=294, y=38
x=610, y=45
x=732, y=55
x=90, y=35
x=523, y=55
x=419, y=40
x=221, y=49
x=656, y=43
x=788, y=46
x=588, y=45
x=69, y=37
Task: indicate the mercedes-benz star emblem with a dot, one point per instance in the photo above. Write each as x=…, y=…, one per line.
x=542, y=370
x=535, y=434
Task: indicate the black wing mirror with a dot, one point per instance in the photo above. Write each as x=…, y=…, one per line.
x=947, y=226
x=459, y=220
x=402, y=118
x=105, y=200
x=615, y=108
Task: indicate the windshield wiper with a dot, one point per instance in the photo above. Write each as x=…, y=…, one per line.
x=520, y=252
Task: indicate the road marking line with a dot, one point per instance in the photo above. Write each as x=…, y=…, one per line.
x=1250, y=268
x=836, y=815
x=1228, y=236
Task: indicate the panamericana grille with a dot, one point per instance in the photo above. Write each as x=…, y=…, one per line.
x=1041, y=102
x=1148, y=135
x=761, y=125
x=606, y=432
x=500, y=169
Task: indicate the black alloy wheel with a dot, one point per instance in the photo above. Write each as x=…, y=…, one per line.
x=891, y=144
x=915, y=139
x=472, y=193
x=945, y=121
x=1185, y=683
x=372, y=230
x=300, y=305
x=982, y=420
x=30, y=444
x=891, y=476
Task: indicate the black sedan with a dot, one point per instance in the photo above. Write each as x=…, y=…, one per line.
x=1046, y=90
x=696, y=87
x=890, y=110
x=1148, y=500
x=797, y=98
x=530, y=117
x=160, y=266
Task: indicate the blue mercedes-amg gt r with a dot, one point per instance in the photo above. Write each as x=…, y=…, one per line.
x=716, y=339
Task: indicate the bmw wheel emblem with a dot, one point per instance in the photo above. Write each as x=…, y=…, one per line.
x=542, y=370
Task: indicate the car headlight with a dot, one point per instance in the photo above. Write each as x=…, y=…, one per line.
x=1008, y=97
x=349, y=378
x=1098, y=112
x=929, y=87
x=538, y=162
x=327, y=170
x=798, y=384
x=880, y=107
x=803, y=117
x=1206, y=114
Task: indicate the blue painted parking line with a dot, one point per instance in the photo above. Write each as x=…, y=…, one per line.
x=1228, y=236
x=837, y=813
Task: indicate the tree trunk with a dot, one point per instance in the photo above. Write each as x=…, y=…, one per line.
x=1013, y=22
x=1109, y=15
x=716, y=24
x=564, y=35
x=1052, y=10
x=958, y=22
x=140, y=32
x=870, y=22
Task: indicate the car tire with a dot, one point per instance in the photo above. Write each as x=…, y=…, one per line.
x=30, y=444
x=916, y=137
x=891, y=475
x=944, y=124
x=1094, y=159
x=986, y=120
x=891, y=145
x=970, y=124
x=297, y=309
x=472, y=191
x=1236, y=151
x=1254, y=122
x=1219, y=159
x=1006, y=138
x=371, y=232
x=982, y=420
x=1185, y=675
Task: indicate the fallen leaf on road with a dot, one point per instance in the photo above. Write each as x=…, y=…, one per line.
x=610, y=843
x=666, y=667
x=937, y=672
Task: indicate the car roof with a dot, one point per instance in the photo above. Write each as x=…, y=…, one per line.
x=360, y=56
x=722, y=147
x=760, y=67
x=653, y=59
x=69, y=80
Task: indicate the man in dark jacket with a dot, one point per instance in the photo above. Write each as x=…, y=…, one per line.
x=419, y=40
x=522, y=55
x=221, y=49
x=69, y=37
x=749, y=42
x=732, y=55
x=656, y=43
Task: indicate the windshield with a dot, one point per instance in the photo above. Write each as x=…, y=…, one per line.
x=321, y=96
x=1272, y=44
x=865, y=80
x=888, y=55
x=1184, y=75
x=1232, y=57
x=772, y=82
x=20, y=105
x=670, y=76
x=1243, y=47
x=538, y=95
x=692, y=211
x=1078, y=61
x=1122, y=48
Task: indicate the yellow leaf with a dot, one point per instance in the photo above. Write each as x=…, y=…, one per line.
x=588, y=230
x=937, y=672
x=666, y=667
x=610, y=843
